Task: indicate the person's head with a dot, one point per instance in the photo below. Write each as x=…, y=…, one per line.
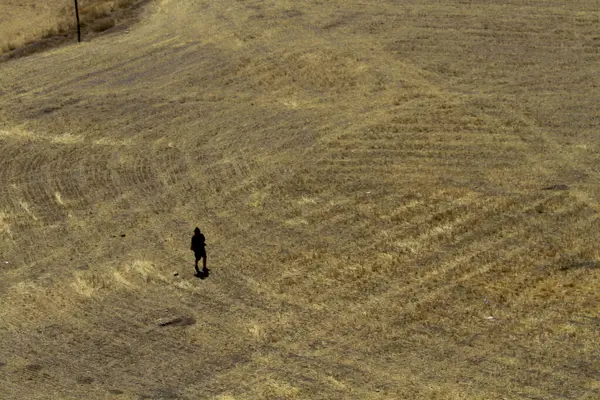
x=197, y=231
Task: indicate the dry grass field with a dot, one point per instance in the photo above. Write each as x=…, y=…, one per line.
x=28, y=26
x=401, y=201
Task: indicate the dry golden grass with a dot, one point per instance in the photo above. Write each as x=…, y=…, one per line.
x=400, y=202
x=26, y=22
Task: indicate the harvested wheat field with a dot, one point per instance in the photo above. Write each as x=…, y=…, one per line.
x=401, y=200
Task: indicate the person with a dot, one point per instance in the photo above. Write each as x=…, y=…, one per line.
x=199, y=249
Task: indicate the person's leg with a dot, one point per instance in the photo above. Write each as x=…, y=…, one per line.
x=204, y=262
x=196, y=265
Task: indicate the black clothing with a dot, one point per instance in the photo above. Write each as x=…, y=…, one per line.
x=200, y=254
x=198, y=244
x=199, y=248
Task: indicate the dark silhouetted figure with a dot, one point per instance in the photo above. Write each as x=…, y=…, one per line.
x=199, y=248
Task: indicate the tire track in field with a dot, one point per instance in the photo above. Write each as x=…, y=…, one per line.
x=170, y=164
x=391, y=151
x=69, y=183
x=516, y=247
x=447, y=133
x=103, y=338
x=46, y=181
x=447, y=229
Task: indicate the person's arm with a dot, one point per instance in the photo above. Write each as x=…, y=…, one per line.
x=192, y=245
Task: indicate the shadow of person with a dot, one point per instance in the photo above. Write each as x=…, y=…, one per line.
x=202, y=274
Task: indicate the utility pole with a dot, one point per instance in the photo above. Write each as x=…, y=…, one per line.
x=78, y=27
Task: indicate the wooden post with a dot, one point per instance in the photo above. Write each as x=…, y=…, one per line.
x=78, y=27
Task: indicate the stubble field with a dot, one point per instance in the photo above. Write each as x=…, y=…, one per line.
x=400, y=201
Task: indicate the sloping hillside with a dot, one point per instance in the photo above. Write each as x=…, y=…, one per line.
x=29, y=26
x=400, y=202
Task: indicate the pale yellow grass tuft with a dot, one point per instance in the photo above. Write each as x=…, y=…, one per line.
x=67, y=138
x=120, y=279
x=143, y=270
x=4, y=225
x=279, y=389
x=296, y=221
x=257, y=198
x=25, y=206
x=307, y=200
x=130, y=276
x=108, y=141
x=257, y=331
x=83, y=286
x=58, y=198
x=16, y=132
